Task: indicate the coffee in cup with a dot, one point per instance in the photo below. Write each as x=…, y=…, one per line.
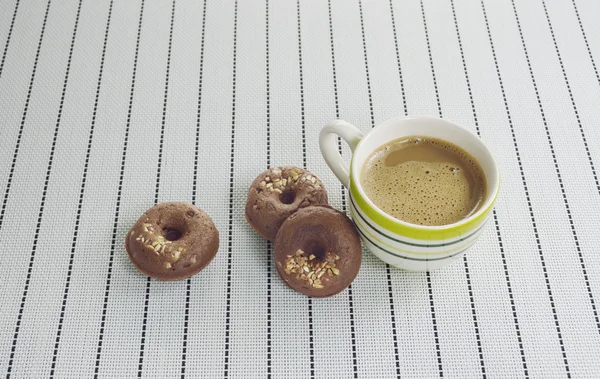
x=424, y=181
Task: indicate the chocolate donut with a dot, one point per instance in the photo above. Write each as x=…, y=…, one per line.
x=318, y=251
x=277, y=193
x=172, y=241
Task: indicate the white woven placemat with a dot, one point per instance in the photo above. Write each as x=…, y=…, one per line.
x=107, y=107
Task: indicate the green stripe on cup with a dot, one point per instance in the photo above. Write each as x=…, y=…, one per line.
x=354, y=210
x=416, y=232
x=409, y=258
x=359, y=219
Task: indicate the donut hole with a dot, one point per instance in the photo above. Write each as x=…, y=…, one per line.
x=317, y=250
x=172, y=234
x=287, y=197
x=173, y=226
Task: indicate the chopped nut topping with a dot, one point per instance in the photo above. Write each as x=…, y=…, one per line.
x=311, y=269
x=148, y=228
x=167, y=265
x=157, y=243
x=278, y=183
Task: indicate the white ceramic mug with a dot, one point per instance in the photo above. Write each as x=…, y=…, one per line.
x=399, y=243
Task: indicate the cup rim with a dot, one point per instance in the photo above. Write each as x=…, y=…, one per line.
x=485, y=207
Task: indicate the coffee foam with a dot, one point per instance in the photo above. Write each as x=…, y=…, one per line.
x=424, y=181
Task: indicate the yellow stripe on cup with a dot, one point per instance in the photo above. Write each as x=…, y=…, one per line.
x=417, y=232
x=379, y=241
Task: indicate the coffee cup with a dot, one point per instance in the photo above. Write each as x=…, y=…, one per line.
x=403, y=244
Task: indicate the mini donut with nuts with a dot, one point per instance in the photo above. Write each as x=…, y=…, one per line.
x=278, y=193
x=318, y=251
x=172, y=241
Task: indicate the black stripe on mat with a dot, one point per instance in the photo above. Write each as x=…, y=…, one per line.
x=364, y=43
x=434, y=322
x=510, y=295
x=404, y=104
x=269, y=247
x=118, y=202
x=46, y=184
x=311, y=339
x=474, y=313
x=587, y=46
x=388, y=270
x=344, y=209
x=393, y=319
x=10, y=30
x=526, y=189
x=576, y=239
x=81, y=196
x=303, y=122
x=311, y=350
x=435, y=86
x=230, y=228
x=157, y=188
x=24, y=117
x=186, y=320
x=194, y=191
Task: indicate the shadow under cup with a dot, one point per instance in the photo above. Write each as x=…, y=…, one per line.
x=410, y=246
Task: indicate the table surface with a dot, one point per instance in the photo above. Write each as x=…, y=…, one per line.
x=107, y=107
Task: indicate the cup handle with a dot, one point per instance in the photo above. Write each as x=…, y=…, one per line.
x=329, y=147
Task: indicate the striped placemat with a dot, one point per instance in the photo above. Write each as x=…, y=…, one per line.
x=110, y=106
